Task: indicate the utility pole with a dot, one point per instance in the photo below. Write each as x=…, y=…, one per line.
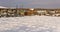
x=16, y=13
x=22, y=11
x=16, y=6
x=22, y=6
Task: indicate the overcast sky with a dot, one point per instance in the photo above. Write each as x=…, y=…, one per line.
x=31, y=3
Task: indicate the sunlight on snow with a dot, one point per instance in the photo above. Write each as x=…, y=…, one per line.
x=30, y=24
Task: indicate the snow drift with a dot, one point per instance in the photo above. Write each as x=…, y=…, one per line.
x=2, y=7
x=30, y=24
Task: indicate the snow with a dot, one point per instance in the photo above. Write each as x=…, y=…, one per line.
x=2, y=7
x=30, y=24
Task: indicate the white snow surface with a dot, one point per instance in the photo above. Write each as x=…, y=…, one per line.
x=2, y=7
x=30, y=24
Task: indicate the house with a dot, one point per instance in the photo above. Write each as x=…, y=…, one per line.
x=41, y=11
x=8, y=12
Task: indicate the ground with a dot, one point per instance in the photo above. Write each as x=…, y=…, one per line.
x=30, y=24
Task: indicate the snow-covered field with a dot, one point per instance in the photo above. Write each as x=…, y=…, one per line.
x=30, y=24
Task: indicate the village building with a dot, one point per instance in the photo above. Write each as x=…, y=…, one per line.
x=8, y=12
x=41, y=11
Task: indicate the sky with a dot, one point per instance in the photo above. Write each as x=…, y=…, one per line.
x=31, y=3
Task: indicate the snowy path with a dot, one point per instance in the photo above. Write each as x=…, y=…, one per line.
x=30, y=24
